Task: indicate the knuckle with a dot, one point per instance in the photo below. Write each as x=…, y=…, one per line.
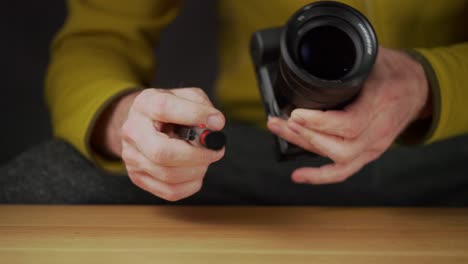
x=172, y=194
x=127, y=156
x=158, y=155
x=205, y=97
x=136, y=179
x=141, y=97
x=315, y=123
x=199, y=99
x=312, y=143
x=199, y=91
x=128, y=132
x=160, y=101
x=146, y=92
x=343, y=157
x=203, y=100
x=311, y=146
x=159, y=105
x=353, y=130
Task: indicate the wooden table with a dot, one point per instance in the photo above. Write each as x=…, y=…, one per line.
x=154, y=234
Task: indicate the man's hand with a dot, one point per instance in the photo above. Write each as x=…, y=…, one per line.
x=395, y=94
x=140, y=130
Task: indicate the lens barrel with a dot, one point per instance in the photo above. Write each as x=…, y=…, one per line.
x=327, y=50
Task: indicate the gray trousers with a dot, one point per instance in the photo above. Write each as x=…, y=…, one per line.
x=435, y=175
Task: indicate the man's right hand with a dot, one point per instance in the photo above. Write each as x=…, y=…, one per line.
x=139, y=129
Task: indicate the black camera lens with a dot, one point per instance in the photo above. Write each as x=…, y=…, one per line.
x=325, y=59
x=327, y=50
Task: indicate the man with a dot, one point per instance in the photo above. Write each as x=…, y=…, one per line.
x=99, y=95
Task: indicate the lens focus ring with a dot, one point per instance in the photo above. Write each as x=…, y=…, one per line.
x=327, y=51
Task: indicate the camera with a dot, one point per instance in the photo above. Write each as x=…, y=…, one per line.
x=318, y=60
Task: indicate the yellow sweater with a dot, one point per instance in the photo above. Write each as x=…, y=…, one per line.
x=106, y=48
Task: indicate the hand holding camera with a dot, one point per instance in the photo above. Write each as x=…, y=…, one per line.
x=395, y=94
x=319, y=60
x=314, y=80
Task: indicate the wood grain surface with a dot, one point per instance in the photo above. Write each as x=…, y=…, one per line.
x=158, y=234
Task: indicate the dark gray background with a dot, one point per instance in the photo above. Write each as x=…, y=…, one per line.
x=27, y=28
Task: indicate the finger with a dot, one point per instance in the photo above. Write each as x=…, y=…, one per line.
x=170, y=192
x=340, y=150
x=137, y=162
x=162, y=150
x=280, y=127
x=331, y=173
x=169, y=108
x=350, y=122
x=196, y=95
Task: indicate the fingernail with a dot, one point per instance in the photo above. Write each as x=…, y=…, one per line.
x=298, y=119
x=215, y=121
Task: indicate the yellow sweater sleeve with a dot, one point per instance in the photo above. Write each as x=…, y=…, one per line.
x=105, y=49
x=447, y=72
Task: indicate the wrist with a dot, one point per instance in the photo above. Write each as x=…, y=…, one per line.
x=426, y=111
x=420, y=125
x=106, y=135
x=426, y=108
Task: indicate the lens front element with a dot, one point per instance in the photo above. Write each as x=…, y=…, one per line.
x=327, y=50
x=327, y=53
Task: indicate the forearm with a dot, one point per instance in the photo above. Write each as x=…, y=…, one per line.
x=104, y=50
x=446, y=70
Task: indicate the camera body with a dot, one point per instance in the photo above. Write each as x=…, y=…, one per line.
x=318, y=60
